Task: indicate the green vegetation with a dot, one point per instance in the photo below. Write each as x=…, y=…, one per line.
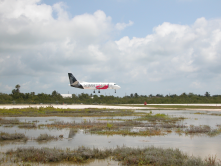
x=214, y=114
x=27, y=125
x=10, y=137
x=9, y=121
x=12, y=122
x=127, y=127
x=199, y=130
x=51, y=111
x=125, y=155
x=146, y=132
x=45, y=137
x=160, y=118
x=17, y=97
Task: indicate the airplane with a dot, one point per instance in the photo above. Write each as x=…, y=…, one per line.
x=91, y=85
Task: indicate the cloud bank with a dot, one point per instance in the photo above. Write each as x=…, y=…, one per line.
x=38, y=49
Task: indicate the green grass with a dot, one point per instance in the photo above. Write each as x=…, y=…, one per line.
x=45, y=137
x=51, y=111
x=199, y=130
x=214, y=114
x=11, y=137
x=147, y=132
x=151, y=156
x=160, y=118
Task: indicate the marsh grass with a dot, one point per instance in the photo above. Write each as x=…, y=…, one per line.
x=10, y=137
x=147, y=132
x=28, y=125
x=51, y=111
x=45, y=137
x=12, y=122
x=9, y=121
x=202, y=113
x=199, y=130
x=125, y=155
x=160, y=118
x=117, y=128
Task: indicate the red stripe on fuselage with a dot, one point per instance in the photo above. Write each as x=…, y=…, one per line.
x=102, y=87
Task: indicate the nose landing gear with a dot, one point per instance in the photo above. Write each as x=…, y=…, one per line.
x=115, y=90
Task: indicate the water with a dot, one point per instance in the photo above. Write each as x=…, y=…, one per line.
x=192, y=145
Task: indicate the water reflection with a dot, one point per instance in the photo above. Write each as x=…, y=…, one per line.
x=72, y=133
x=198, y=145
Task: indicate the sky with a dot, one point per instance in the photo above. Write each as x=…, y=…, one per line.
x=146, y=47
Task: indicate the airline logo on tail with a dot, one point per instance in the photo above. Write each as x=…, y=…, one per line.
x=91, y=86
x=74, y=82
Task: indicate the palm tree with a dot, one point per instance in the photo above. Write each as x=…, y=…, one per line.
x=207, y=94
x=17, y=88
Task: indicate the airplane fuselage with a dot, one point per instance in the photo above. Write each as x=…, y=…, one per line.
x=94, y=86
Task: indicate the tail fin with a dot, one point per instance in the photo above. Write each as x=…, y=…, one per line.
x=74, y=82
x=72, y=78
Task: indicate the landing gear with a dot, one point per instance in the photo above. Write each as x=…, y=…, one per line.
x=99, y=91
x=94, y=91
x=115, y=90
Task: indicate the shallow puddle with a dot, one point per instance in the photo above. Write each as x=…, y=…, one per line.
x=202, y=146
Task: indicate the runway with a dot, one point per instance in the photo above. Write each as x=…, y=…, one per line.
x=127, y=106
x=64, y=106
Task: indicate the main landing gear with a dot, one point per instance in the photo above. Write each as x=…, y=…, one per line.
x=99, y=91
x=115, y=90
x=94, y=91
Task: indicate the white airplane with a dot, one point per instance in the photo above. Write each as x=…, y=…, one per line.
x=91, y=85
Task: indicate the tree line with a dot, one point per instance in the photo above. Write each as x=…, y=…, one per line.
x=16, y=97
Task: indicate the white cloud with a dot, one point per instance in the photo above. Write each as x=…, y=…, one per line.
x=196, y=84
x=121, y=26
x=177, y=49
x=40, y=49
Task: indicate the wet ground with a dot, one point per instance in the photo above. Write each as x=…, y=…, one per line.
x=197, y=145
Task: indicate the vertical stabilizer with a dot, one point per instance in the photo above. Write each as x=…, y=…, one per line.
x=72, y=78
x=74, y=82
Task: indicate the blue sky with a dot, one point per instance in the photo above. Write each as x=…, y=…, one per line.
x=147, y=47
x=146, y=14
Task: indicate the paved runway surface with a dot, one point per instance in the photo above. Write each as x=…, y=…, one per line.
x=82, y=106
x=72, y=106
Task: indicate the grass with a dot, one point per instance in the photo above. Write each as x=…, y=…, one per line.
x=12, y=122
x=45, y=137
x=147, y=132
x=28, y=125
x=201, y=113
x=51, y=111
x=160, y=118
x=118, y=128
x=10, y=137
x=9, y=121
x=202, y=129
x=125, y=155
